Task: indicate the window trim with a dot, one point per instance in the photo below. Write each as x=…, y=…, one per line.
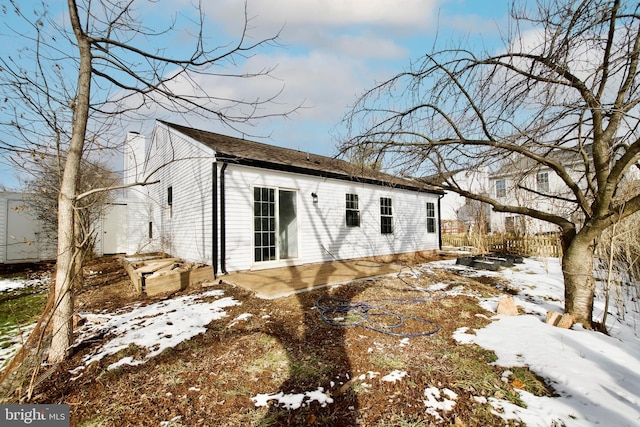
x=501, y=187
x=386, y=215
x=431, y=217
x=352, y=210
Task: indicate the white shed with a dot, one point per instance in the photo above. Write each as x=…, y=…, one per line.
x=240, y=205
x=22, y=238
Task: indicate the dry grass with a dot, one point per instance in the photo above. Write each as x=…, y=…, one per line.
x=286, y=346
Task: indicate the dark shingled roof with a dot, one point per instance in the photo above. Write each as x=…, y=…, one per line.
x=241, y=151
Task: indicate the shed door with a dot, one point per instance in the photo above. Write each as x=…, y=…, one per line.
x=114, y=230
x=22, y=233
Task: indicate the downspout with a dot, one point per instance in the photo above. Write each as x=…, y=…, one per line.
x=223, y=222
x=439, y=224
x=214, y=218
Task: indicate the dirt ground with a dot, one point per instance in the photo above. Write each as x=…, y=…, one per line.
x=287, y=346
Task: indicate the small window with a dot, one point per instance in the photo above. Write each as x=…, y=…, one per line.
x=542, y=181
x=352, y=210
x=170, y=196
x=431, y=217
x=151, y=230
x=514, y=225
x=501, y=188
x=386, y=216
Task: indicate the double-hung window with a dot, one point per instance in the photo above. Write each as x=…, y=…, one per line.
x=386, y=215
x=352, y=210
x=542, y=182
x=501, y=188
x=431, y=217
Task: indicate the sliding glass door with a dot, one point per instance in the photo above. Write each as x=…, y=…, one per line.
x=275, y=224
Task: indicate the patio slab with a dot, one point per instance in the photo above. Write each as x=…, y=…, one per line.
x=285, y=281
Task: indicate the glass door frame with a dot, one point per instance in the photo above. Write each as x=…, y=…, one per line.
x=262, y=231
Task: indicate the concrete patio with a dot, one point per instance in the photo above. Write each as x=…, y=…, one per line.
x=285, y=281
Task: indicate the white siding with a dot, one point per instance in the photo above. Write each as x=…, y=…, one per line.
x=323, y=234
x=21, y=236
x=185, y=228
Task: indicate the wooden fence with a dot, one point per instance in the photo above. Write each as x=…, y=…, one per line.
x=547, y=245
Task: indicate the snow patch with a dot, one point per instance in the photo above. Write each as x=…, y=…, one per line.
x=439, y=400
x=295, y=400
x=154, y=327
x=394, y=376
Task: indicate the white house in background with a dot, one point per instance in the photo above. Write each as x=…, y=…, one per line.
x=509, y=187
x=22, y=238
x=461, y=215
x=240, y=205
x=504, y=185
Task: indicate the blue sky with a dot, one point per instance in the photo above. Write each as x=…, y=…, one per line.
x=330, y=51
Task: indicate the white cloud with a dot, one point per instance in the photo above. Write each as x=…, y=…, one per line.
x=328, y=24
x=332, y=50
x=336, y=13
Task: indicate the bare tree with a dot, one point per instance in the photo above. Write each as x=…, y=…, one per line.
x=43, y=187
x=82, y=76
x=565, y=86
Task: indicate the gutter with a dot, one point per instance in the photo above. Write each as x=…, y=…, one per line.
x=439, y=223
x=223, y=222
x=214, y=218
x=264, y=164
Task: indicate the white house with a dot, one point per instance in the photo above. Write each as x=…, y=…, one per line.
x=522, y=182
x=507, y=186
x=459, y=214
x=240, y=205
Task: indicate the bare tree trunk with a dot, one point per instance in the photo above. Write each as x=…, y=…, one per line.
x=63, y=308
x=577, y=269
x=80, y=247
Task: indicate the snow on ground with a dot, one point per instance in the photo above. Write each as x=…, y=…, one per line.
x=153, y=327
x=295, y=400
x=12, y=284
x=12, y=337
x=597, y=376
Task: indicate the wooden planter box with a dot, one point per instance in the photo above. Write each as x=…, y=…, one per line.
x=154, y=276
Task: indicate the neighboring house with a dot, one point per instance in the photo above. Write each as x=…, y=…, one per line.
x=518, y=182
x=524, y=183
x=462, y=215
x=508, y=187
x=22, y=238
x=240, y=205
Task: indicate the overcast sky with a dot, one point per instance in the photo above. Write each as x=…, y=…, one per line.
x=329, y=52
